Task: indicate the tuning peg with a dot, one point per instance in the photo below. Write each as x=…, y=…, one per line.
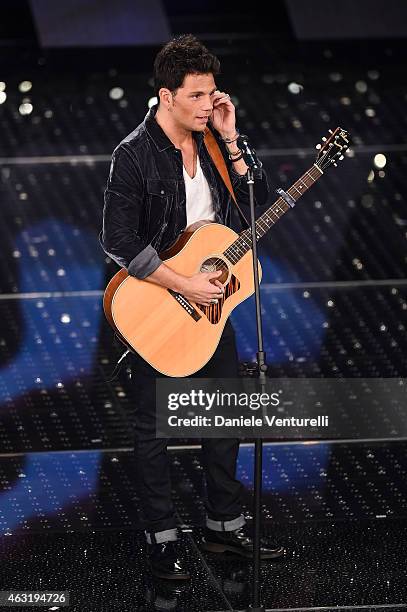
x=324, y=139
x=318, y=147
x=341, y=158
x=330, y=131
x=335, y=164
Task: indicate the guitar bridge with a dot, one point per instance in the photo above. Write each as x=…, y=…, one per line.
x=186, y=305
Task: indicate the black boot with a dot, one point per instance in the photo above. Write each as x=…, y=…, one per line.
x=165, y=563
x=237, y=542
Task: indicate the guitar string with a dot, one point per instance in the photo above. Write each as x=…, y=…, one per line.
x=280, y=205
x=262, y=220
x=265, y=219
x=220, y=264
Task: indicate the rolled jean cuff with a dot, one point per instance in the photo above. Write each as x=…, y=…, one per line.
x=226, y=525
x=168, y=535
x=145, y=263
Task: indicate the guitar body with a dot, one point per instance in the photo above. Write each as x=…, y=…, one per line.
x=178, y=337
x=174, y=336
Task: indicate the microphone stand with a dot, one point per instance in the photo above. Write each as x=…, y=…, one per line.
x=253, y=163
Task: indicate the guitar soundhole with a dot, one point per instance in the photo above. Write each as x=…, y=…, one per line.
x=213, y=264
x=214, y=311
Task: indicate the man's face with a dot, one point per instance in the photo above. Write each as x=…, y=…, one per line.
x=191, y=105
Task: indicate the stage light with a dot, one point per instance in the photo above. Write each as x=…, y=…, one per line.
x=65, y=318
x=25, y=108
x=361, y=86
x=25, y=86
x=2, y=86
x=116, y=93
x=295, y=88
x=370, y=112
x=380, y=160
x=3, y=97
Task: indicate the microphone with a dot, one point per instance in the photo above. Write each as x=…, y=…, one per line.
x=249, y=154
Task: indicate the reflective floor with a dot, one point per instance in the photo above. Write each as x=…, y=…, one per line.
x=70, y=521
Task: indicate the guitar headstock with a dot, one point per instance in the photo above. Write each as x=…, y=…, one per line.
x=332, y=148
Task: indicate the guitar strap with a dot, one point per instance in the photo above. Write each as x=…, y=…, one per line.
x=219, y=161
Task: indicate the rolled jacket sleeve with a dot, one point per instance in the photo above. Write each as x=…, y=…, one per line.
x=123, y=211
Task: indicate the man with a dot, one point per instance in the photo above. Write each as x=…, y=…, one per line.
x=162, y=180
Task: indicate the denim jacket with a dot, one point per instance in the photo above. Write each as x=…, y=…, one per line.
x=145, y=203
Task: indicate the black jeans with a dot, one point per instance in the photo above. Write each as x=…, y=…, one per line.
x=223, y=503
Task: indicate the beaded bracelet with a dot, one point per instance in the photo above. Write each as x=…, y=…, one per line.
x=230, y=140
x=235, y=159
x=234, y=153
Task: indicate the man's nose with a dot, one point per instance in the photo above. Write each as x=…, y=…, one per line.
x=207, y=104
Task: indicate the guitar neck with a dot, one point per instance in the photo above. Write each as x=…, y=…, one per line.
x=243, y=244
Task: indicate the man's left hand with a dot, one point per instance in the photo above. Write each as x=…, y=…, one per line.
x=223, y=116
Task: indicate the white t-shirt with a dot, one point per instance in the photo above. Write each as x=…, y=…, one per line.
x=198, y=194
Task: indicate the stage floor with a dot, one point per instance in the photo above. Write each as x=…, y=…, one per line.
x=70, y=521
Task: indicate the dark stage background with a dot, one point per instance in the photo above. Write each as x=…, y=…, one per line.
x=75, y=78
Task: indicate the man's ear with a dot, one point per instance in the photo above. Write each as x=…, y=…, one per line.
x=165, y=97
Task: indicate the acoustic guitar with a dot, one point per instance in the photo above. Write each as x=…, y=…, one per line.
x=175, y=336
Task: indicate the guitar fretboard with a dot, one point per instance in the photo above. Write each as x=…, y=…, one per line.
x=242, y=244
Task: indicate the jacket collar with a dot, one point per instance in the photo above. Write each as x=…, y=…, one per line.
x=159, y=137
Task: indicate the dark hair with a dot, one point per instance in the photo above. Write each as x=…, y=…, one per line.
x=181, y=56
